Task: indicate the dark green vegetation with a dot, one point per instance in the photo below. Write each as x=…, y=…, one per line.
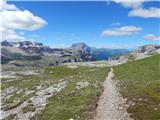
x=70, y=102
x=10, y=102
x=30, y=107
x=140, y=83
x=10, y=117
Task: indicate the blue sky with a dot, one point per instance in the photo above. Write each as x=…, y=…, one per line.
x=72, y=22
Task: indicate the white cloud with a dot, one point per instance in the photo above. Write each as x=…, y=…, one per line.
x=5, y=6
x=151, y=37
x=22, y=20
x=145, y=13
x=138, y=10
x=8, y=34
x=13, y=19
x=130, y=4
x=121, y=31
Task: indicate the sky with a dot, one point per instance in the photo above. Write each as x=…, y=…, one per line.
x=107, y=24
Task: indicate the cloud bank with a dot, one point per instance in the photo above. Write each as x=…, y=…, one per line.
x=138, y=9
x=145, y=13
x=130, y=4
x=122, y=31
x=151, y=37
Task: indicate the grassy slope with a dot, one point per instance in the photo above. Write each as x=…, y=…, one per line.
x=65, y=104
x=23, y=82
x=140, y=82
x=71, y=103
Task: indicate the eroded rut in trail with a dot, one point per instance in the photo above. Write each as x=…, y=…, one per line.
x=111, y=105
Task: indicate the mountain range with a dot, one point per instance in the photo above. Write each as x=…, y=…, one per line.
x=78, y=52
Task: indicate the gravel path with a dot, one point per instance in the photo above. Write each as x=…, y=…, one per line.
x=111, y=105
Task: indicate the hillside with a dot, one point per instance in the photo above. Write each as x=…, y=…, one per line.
x=141, y=52
x=140, y=83
x=72, y=91
x=52, y=93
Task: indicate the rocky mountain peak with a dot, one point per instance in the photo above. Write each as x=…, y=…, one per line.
x=81, y=47
x=148, y=48
x=21, y=44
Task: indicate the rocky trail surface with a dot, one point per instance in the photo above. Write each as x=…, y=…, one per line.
x=111, y=106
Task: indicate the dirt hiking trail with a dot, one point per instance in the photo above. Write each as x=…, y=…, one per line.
x=111, y=105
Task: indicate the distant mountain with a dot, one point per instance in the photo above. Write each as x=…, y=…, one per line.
x=141, y=52
x=10, y=53
x=78, y=52
x=98, y=53
x=81, y=47
x=28, y=47
x=148, y=49
x=104, y=53
x=27, y=50
x=84, y=50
